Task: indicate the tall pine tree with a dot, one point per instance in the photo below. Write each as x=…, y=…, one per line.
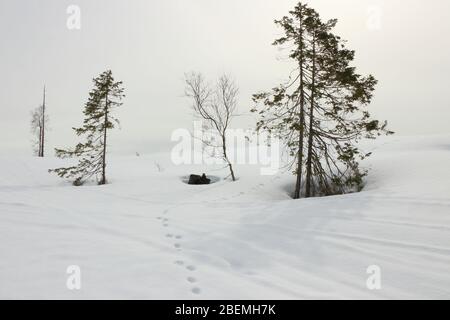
x=103, y=99
x=320, y=112
x=284, y=108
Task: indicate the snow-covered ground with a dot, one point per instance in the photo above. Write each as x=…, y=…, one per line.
x=148, y=235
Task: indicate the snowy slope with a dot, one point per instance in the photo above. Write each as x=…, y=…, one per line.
x=148, y=235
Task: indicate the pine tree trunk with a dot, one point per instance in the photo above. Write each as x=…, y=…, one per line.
x=40, y=142
x=298, y=184
x=43, y=127
x=311, y=129
x=103, y=181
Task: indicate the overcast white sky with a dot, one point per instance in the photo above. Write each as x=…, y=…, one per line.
x=149, y=45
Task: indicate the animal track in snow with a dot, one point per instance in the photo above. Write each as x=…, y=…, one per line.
x=191, y=279
x=178, y=246
x=191, y=268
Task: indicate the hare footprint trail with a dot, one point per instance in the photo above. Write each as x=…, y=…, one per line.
x=176, y=238
x=195, y=290
x=165, y=221
x=190, y=279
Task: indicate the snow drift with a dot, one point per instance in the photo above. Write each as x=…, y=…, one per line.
x=148, y=235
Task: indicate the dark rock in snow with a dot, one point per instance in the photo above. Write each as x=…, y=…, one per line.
x=196, y=179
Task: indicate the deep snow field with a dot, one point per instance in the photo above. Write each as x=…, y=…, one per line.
x=147, y=235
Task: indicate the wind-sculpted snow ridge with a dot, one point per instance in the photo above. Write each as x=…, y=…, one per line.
x=149, y=235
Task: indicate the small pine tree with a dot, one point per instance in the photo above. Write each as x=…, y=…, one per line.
x=103, y=99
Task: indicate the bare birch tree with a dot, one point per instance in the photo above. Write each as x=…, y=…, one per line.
x=217, y=107
x=39, y=121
